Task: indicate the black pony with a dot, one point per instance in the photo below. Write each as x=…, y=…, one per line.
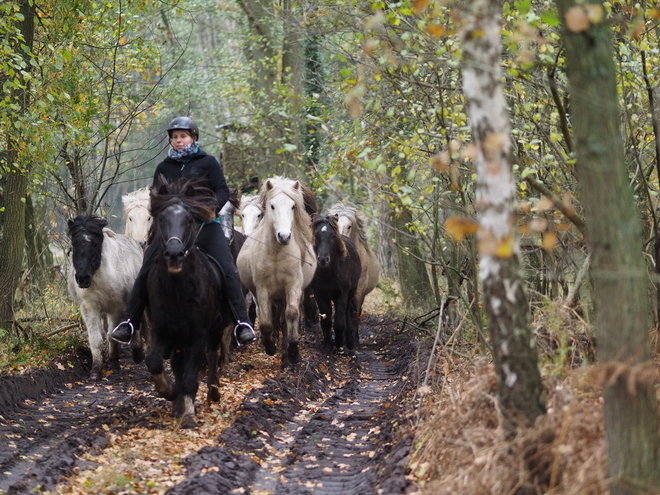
x=188, y=307
x=335, y=281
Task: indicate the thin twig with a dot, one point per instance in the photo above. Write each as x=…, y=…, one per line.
x=60, y=330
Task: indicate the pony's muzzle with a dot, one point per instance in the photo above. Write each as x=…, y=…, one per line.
x=323, y=259
x=84, y=281
x=284, y=238
x=174, y=253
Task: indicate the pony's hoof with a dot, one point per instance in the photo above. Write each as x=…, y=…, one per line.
x=188, y=423
x=271, y=348
x=138, y=354
x=113, y=364
x=294, y=354
x=213, y=395
x=95, y=376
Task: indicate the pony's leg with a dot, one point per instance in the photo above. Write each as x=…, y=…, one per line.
x=113, y=346
x=94, y=325
x=310, y=307
x=212, y=378
x=265, y=316
x=341, y=308
x=186, y=364
x=325, y=312
x=292, y=316
x=155, y=365
x=352, y=323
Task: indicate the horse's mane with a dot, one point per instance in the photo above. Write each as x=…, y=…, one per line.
x=196, y=198
x=332, y=223
x=310, y=201
x=93, y=224
x=277, y=184
x=136, y=199
x=356, y=217
x=250, y=199
x=234, y=199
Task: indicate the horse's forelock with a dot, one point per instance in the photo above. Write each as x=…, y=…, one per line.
x=199, y=200
x=331, y=222
x=92, y=224
x=136, y=199
x=356, y=217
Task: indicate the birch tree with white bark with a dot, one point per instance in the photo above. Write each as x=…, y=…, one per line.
x=504, y=292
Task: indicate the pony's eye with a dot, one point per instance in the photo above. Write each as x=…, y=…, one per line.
x=272, y=207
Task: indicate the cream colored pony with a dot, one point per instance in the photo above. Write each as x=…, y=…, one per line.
x=277, y=262
x=251, y=213
x=137, y=215
x=353, y=224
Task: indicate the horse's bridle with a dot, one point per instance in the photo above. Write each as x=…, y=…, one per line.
x=190, y=242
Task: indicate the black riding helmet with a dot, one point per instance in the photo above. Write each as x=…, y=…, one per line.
x=183, y=124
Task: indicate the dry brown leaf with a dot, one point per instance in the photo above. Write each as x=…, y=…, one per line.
x=577, y=19
x=549, y=240
x=435, y=30
x=419, y=6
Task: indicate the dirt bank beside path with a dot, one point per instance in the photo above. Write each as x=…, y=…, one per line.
x=333, y=424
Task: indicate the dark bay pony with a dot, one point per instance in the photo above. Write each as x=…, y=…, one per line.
x=335, y=281
x=190, y=316
x=103, y=268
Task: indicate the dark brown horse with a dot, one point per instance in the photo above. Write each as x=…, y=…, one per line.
x=191, y=319
x=335, y=282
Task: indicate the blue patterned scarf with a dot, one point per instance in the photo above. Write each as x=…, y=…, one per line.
x=184, y=154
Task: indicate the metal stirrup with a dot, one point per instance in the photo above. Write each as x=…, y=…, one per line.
x=130, y=324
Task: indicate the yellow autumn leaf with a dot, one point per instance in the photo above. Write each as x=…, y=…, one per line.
x=460, y=227
x=505, y=248
x=123, y=40
x=549, y=241
x=595, y=13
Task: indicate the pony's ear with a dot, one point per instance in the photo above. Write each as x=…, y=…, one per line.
x=269, y=185
x=160, y=185
x=190, y=190
x=296, y=185
x=70, y=222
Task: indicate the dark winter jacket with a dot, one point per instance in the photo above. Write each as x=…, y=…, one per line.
x=199, y=166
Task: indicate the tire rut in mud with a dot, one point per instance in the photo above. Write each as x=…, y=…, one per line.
x=49, y=417
x=325, y=429
x=328, y=425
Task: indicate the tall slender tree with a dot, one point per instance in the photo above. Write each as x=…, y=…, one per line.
x=614, y=234
x=505, y=300
x=13, y=182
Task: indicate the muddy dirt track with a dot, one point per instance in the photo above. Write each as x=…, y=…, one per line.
x=334, y=424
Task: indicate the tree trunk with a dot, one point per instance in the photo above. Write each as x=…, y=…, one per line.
x=13, y=183
x=416, y=288
x=505, y=300
x=614, y=235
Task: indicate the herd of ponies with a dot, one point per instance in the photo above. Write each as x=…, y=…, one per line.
x=296, y=267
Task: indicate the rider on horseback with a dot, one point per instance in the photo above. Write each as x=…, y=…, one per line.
x=186, y=159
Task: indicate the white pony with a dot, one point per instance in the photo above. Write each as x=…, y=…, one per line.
x=251, y=212
x=353, y=224
x=103, y=268
x=277, y=262
x=137, y=215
